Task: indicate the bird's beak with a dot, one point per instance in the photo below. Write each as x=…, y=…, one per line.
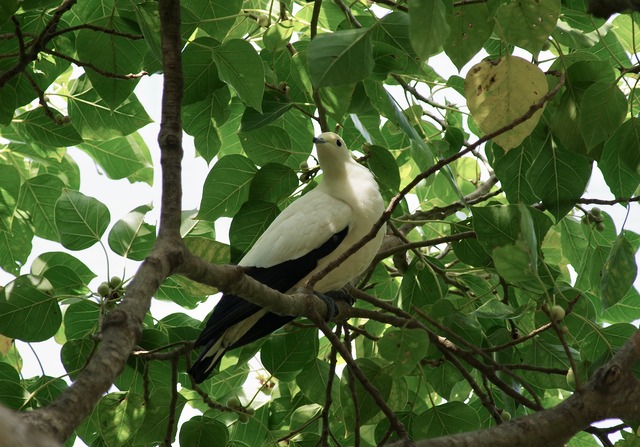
x=318, y=140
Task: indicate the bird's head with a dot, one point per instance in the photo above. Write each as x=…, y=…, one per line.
x=332, y=151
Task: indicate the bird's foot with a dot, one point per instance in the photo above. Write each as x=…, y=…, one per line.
x=330, y=300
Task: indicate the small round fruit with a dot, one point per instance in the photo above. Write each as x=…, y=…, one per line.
x=596, y=212
x=263, y=20
x=556, y=313
x=115, y=282
x=600, y=226
x=243, y=418
x=505, y=416
x=104, y=289
x=304, y=166
x=546, y=46
x=250, y=411
x=233, y=402
x=420, y=265
x=585, y=219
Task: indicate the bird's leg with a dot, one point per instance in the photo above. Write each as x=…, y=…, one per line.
x=330, y=300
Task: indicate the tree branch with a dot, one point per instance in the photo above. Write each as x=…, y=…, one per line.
x=121, y=328
x=612, y=392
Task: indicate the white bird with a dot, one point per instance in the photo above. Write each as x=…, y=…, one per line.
x=309, y=234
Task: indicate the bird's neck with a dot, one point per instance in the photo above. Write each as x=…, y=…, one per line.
x=351, y=183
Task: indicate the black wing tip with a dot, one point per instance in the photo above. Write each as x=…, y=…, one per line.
x=203, y=367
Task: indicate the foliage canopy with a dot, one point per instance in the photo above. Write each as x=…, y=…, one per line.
x=455, y=325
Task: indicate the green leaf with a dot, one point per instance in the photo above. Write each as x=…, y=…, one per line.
x=241, y=67
x=528, y=23
x=65, y=282
x=511, y=168
x=429, y=27
x=627, y=309
x=7, y=8
x=272, y=144
x=127, y=157
x=215, y=17
x=278, y=35
x=81, y=319
x=513, y=263
x=45, y=389
x=9, y=189
x=200, y=70
x=81, y=220
x=199, y=119
x=96, y=121
x=384, y=167
x=603, y=108
x=148, y=18
x=618, y=273
x=111, y=54
x=495, y=308
x=131, y=237
x=249, y=223
x=620, y=161
x=28, y=311
x=15, y=244
x=273, y=183
x=226, y=187
x=202, y=431
x=470, y=251
x=367, y=406
x=74, y=355
x=342, y=57
x=606, y=341
x=120, y=415
x=11, y=392
x=38, y=197
x=404, y=348
x=420, y=286
x=445, y=419
x=184, y=292
x=57, y=258
x=559, y=178
x=500, y=225
x=41, y=128
x=286, y=353
x=314, y=379
x=471, y=26
x=274, y=105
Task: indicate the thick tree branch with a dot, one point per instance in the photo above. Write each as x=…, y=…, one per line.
x=612, y=392
x=121, y=328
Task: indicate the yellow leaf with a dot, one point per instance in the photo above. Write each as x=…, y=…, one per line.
x=500, y=91
x=5, y=344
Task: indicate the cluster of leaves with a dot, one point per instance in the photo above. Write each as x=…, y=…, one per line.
x=257, y=74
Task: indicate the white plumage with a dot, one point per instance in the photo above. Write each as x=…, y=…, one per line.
x=310, y=233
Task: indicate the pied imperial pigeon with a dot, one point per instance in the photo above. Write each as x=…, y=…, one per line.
x=309, y=234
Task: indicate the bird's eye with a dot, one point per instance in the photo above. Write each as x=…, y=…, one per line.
x=339, y=143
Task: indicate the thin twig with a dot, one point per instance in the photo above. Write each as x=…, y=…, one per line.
x=99, y=29
x=351, y=383
x=366, y=384
x=92, y=67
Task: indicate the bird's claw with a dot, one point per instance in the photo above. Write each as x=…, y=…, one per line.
x=330, y=300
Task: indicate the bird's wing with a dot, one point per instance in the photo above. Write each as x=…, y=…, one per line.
x=232, y=309
x=287, y=252
x=303, y=226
